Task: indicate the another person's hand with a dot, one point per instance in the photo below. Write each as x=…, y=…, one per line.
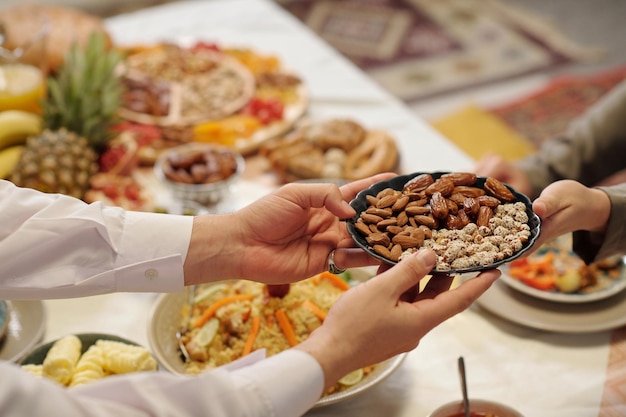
x=505, y=171
x=372, y=321
x=283, y=237
x=566, y=206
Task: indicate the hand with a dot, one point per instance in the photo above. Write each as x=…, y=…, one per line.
x=283, y=237
x=371, y=323
x=566, y=206
x=497, y=167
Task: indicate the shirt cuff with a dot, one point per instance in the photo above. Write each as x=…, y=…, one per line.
x=292, y=381
x=154, y=236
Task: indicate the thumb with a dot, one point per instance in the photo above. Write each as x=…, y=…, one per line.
x=545, y=207
x=408, y=272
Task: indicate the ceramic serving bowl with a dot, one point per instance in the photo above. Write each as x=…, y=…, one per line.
x=361, y=204
x=164, y=322
x=478, y=408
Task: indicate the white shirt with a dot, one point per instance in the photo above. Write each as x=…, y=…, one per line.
x=117, y=250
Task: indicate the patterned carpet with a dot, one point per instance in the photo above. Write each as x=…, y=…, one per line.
x=547, y=113
x=421, y=48
x=519, y=127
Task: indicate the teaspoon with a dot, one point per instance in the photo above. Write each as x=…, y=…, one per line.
x=466, y=406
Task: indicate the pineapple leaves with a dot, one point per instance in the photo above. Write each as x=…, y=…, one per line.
x=85, y=94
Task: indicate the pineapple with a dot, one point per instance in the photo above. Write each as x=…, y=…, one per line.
x=82, y=104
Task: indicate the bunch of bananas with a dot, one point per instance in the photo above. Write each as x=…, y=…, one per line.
x=15, y=127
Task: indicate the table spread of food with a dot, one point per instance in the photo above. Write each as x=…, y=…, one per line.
x=94, y=120
x=102, y=121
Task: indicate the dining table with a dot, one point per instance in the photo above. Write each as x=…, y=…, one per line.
x=521, y=359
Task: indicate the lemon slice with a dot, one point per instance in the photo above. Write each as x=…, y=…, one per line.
x=352, y=378
x=204, y=295
x=207, y=333
x=21, y=87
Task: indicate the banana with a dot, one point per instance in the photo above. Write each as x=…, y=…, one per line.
x=16, y=126
x=8, y=160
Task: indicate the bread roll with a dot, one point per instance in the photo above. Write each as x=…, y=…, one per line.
x=66, y=26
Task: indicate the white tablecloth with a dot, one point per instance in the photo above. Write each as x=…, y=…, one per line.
x=539, y=373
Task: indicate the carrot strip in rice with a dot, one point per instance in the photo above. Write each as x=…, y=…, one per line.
x=254, y=331
x=315, y=309
x=209, y=312
x=285, y=327
x=336, y=280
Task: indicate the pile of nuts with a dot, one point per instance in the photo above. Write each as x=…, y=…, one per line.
x=198, y=165
x=466, y=225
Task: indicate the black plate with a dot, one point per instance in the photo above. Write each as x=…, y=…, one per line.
x=360, y=204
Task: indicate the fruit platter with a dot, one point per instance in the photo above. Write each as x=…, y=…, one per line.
x=94, y=124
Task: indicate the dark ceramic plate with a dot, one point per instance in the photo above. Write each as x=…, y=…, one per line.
x=360, y=204
x=4, y=318
x=38, y=354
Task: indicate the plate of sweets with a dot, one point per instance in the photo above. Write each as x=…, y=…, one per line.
x=555, y=273
x=472, y=223
x=202, y=91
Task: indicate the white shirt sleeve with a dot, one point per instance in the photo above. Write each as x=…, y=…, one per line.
x=116, y=250
x=54, y=246
x=284, y=385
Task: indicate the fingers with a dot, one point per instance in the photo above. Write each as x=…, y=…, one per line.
x=567, y=205
x=449, y=303
x=407, y=273
x=350, y=190
x=333, y=198
x=317, y=196
x=437, y=284
x=353, y=258
x=490, y=165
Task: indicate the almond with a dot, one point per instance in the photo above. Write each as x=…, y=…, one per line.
x=378, y=239
x=406, y=241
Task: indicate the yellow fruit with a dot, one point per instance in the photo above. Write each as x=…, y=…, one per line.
x=8, y=160
x=16, y=126
x=22, y=87
x=226, y=131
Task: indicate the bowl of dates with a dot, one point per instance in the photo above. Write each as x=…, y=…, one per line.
x=204, y=173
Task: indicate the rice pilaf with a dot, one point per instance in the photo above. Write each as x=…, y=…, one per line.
x=245, y=314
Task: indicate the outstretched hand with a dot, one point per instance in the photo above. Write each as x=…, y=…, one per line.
x=288, y=235
x=566, y=206
x=386, y=323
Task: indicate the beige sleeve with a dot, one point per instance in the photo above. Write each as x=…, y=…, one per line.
x=591, y=150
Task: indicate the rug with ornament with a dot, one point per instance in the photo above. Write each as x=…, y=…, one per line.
x=422, y=48
x=517, y=128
